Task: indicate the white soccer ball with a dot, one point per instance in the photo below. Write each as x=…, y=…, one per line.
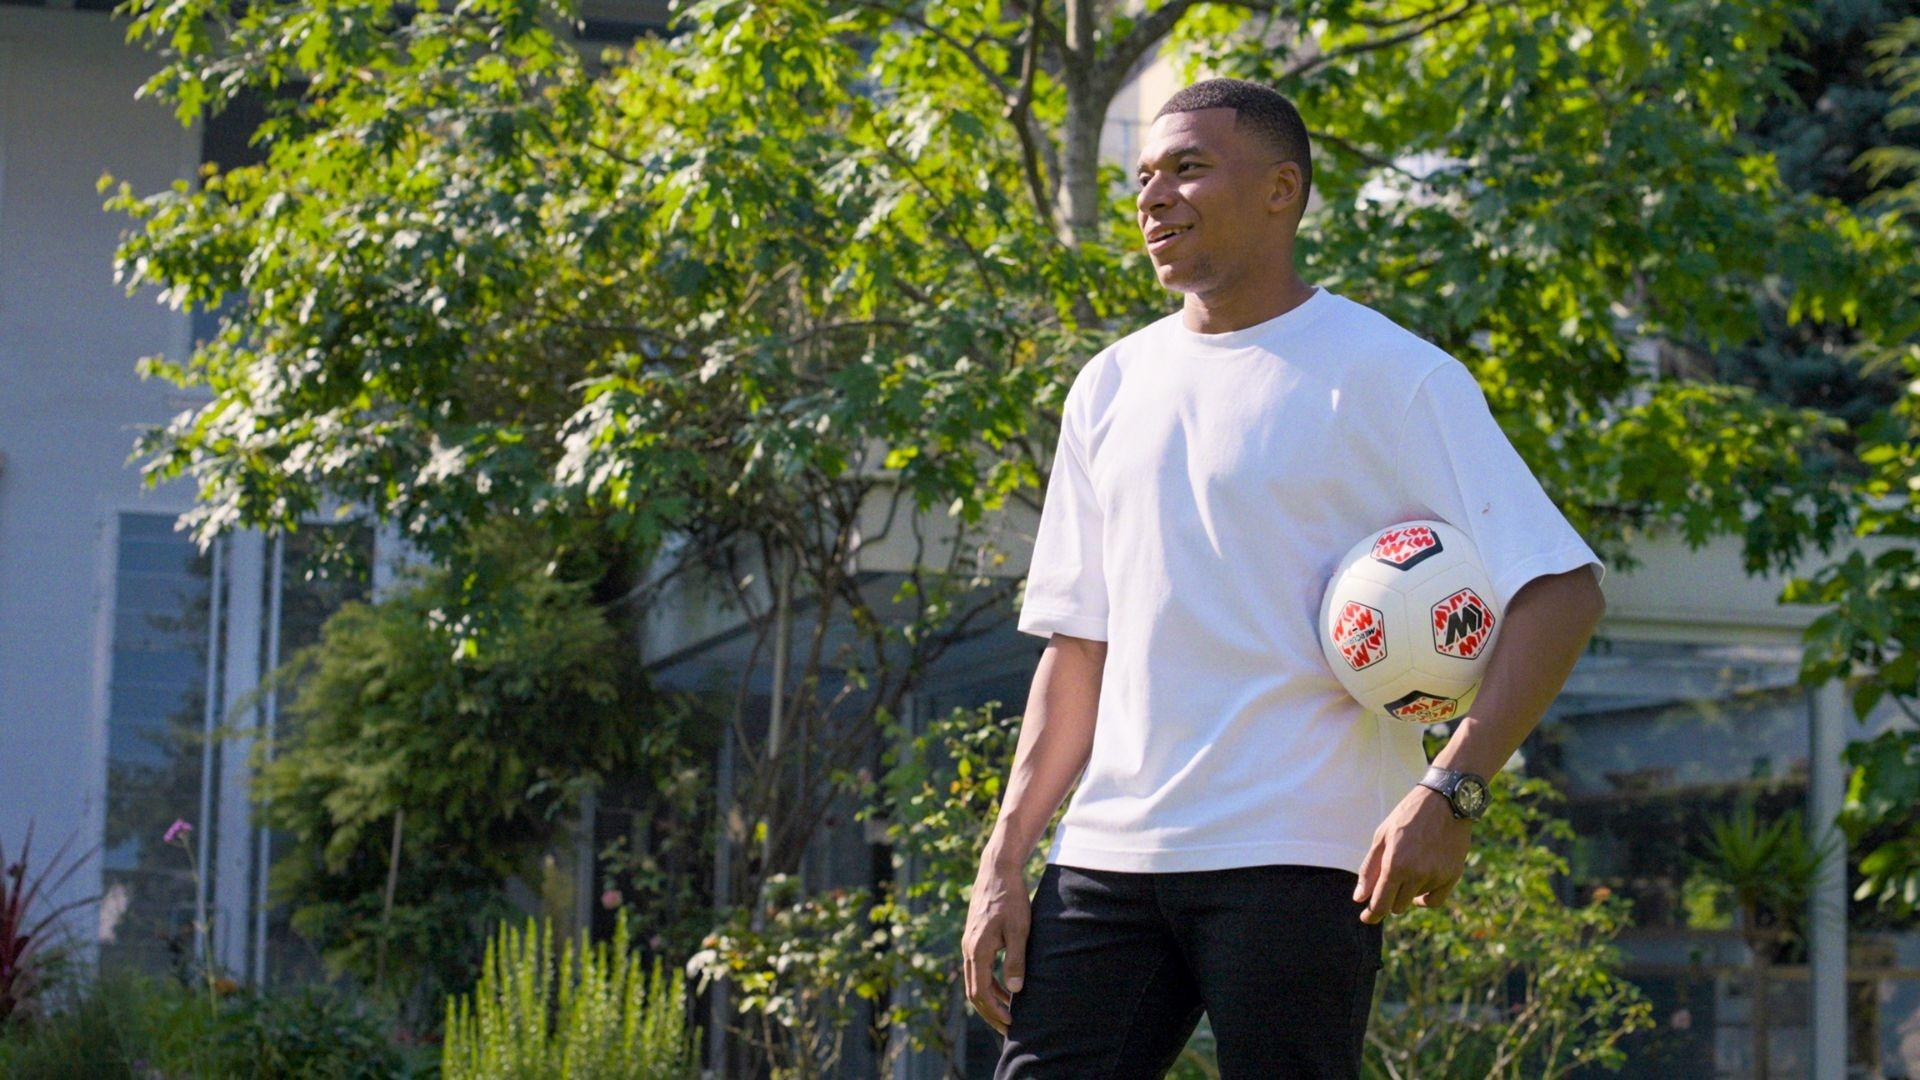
x=1408, y=621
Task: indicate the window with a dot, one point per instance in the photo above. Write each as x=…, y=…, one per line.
x=298, y=600
x=1649, y=739
x=157, y=708
x=169, y=658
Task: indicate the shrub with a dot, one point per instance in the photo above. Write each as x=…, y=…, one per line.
x=597, y=1016
x=27, y=956
x=939, y=798
x=1506, y=980
x=799, y=972
x=412, y=779
x=312, y=1033
x=137, y=1026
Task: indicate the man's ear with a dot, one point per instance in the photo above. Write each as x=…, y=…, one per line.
x=1285, y=191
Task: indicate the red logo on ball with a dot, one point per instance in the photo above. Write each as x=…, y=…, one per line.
x=1462, y=625
x=1404, y=549
x=1420, y=707
x=1361, y=634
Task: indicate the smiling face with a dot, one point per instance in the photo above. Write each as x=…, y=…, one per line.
x=1216, y=207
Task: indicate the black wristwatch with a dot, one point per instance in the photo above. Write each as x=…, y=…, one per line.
x=1466, y=793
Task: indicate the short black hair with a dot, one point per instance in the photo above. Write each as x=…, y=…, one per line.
x=1266, y=110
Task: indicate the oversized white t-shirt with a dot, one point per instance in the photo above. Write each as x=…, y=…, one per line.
x=1203, y=490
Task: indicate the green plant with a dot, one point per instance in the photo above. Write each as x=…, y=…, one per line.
x=311, y=1033
x=135, y=1026
x=412, y=779
x=803, y=965
x=1706, y=901
x=1506, y=980
x=27, y=955
x=939, y=797
x=180, y=835
x=1766, y=872
x=596, y=1015
x=799, y=969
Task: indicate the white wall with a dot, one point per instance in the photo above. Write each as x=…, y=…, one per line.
x=69, y=399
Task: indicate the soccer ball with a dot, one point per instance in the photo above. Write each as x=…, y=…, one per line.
x=1408, y=621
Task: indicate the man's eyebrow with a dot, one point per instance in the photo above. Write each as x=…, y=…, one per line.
x=1177, y=152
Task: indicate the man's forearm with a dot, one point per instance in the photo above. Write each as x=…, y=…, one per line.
x=1056, y=738
x=1548, y=625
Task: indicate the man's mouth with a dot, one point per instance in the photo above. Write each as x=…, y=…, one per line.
x=1165, y=235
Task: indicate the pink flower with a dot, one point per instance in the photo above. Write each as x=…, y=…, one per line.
x=657, y=942
x=610, y=899
x=176, y=831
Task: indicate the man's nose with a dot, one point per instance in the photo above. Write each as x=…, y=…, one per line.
x=1153, y=196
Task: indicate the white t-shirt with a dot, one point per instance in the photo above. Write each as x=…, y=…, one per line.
x=1204, y=488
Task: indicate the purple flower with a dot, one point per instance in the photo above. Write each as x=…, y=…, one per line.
x=176, y=831
x=611, y=899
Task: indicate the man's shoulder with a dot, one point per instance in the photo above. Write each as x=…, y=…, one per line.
x=1356, y=325
x=1102, y=368
x=1150, y=334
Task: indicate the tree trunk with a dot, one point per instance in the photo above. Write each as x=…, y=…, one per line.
x=1080, y=161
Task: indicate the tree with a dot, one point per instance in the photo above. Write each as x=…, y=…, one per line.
x=411, y=784
x=738, y=286
x=1870, y=635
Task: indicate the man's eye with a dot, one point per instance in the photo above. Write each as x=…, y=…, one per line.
x=1142, y=178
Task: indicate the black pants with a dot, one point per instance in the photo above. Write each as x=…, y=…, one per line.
x=1119, y=967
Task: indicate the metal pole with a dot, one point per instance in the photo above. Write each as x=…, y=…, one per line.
x=209, y=719
x=717, y=1004
x=1827, y=904
x=265, y=856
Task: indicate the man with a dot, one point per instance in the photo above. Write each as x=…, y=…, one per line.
x=1242, y=827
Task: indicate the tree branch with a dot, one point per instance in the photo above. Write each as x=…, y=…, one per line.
x=1020, y=114
x=1375, y=44
x=1146, y=32
x=986, y=70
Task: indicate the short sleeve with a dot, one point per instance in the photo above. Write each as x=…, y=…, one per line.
x=1066, y=583
x=1455, y=464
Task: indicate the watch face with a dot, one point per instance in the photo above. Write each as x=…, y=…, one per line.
x=1470, y=796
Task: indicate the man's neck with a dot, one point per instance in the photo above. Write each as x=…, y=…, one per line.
x=1219, y=315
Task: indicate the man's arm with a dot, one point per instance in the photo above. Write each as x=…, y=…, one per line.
x=1550, y=622
x=1056, y=738
x=1419, y=851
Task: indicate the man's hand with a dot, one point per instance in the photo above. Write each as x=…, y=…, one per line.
x=1417, y=856
x=997, y=918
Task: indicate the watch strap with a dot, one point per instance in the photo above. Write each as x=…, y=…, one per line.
x=1446, y=781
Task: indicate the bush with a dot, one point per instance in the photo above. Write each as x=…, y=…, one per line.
x=799, y=972
x=29, y=951
x=402, y=750
x=139, y=1027
x=597, y=1017
x=1506, y=980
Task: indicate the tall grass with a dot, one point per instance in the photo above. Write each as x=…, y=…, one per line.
x=592, y=1015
